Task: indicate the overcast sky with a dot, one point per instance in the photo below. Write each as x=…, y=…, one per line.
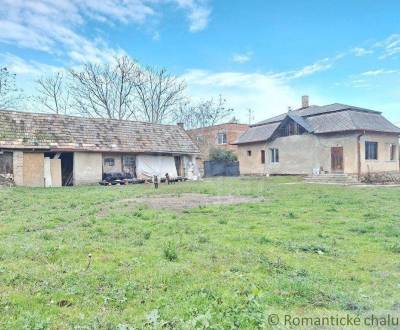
x=259, y=54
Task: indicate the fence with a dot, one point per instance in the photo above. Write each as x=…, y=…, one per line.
x=221, y=168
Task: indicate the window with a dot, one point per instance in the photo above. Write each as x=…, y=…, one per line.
x=249, y=153
x=291, y=128
x=200, y=138
x=392, y=152
x=221, y=138
x=129, y=160
x=371, y=150
x=274, y=155
x=262, y=156
x=109, y=161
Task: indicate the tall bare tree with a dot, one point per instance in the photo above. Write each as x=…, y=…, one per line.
x=107, y=90
x=53, y=93
x=10, y=95
x=159, y=94
x=203, y=114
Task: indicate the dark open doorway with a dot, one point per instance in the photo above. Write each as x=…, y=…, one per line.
x=67, y=168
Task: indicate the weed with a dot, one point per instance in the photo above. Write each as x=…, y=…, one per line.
x=170, y=251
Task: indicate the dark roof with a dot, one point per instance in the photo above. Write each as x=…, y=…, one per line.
x=351, y=120
x=314, y=110
x=324, y=119
x=22, y=130
x=301, y=121
x=258, y=133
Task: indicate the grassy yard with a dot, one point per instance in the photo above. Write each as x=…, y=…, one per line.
x=90, y=257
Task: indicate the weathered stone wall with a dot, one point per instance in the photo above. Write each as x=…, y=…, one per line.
x=88, y=167
x=18, y=167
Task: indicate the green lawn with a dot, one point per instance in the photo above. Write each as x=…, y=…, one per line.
x=298, y=248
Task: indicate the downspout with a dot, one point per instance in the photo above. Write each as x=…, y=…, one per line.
x=359, y=155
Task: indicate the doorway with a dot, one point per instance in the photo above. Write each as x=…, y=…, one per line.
x=178, y=165
x=337, y=159
x=67, y=168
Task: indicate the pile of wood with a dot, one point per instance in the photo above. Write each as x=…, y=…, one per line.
x=381, y=178
x=6, y=181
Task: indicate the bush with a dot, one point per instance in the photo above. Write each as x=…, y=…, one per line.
x=221, y=154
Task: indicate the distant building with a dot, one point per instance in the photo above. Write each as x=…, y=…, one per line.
x=218, y=136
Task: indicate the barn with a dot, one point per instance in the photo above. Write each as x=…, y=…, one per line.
x=48, y=150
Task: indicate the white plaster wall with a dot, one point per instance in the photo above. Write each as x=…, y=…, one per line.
x=250, y=165
x=299, y=154
x=88, y=167
x=117, y=163
x=383, y=163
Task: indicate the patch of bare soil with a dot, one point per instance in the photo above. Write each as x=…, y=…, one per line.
x=188, y=201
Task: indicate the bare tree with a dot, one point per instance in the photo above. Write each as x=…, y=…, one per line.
x=53, y=93
x=10, y=95
x=205, y=113
x=159, y=94
x=107, y=90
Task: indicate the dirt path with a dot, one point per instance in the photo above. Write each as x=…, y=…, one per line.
x=187, y=201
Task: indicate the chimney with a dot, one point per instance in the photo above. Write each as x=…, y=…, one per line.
x=305, y=101
x=180, y=125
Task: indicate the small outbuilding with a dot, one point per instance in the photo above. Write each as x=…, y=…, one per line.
x=47, y=150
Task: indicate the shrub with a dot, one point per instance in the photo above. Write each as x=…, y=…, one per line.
x=221, y=154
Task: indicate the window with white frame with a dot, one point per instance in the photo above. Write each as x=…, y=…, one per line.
x=221, y=138
x=274, y=155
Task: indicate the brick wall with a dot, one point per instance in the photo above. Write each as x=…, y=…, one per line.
x=206, y=137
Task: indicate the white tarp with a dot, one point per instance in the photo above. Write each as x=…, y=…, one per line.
x=149, y=165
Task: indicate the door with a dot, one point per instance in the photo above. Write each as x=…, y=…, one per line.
x=337, y=159
x=33, y=169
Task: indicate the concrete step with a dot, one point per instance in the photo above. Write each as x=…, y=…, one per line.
x=332, y=178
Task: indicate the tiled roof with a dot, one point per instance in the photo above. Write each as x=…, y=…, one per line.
x=323, y=119
x=56, y=132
